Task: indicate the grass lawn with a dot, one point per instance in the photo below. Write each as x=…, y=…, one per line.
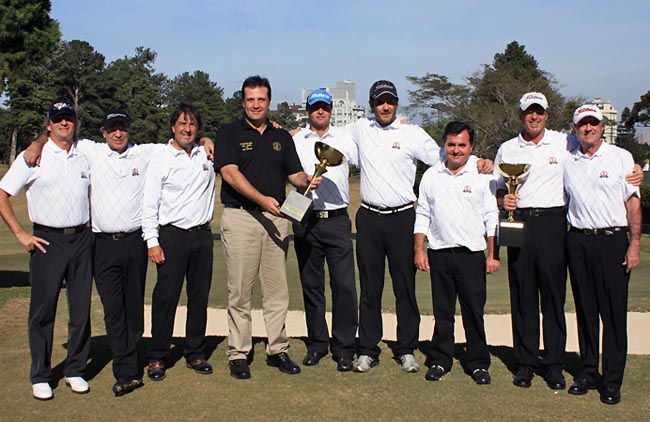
x=318, y=393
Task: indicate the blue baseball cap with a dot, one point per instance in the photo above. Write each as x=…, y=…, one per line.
x=319, y=95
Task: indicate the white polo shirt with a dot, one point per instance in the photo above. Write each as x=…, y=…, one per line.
x=57, y=190
x=178, y=190
x=388, y=160
x=456, y=209
x=543, y=188
x=117, y=184
x=596, y=187
x=334, y=191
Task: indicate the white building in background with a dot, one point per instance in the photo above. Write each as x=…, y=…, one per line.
x=344, y=103
x=611, y=118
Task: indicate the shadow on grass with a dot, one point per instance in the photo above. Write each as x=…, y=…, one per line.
x=14, y=279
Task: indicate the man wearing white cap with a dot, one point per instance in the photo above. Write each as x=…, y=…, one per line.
x=537, y=270
x=603, y=246
x=325, y=234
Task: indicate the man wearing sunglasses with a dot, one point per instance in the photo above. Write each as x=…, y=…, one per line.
x=60, y=248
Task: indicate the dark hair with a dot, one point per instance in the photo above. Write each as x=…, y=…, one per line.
x=186, y=109
x=254, y=82
x=456, y=128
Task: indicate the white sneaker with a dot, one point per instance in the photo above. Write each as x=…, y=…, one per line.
x=42, y=391
x=77, y=385
x=409, y=364
x=364, y=363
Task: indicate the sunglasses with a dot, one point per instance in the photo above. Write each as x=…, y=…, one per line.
x=59, y=119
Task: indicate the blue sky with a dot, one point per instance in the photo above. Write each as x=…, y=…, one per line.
x=593, y=48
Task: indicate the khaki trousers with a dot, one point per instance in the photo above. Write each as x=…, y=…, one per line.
x=255, y=245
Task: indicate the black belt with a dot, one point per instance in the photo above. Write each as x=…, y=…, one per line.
x=329, y=213
x=387, y=210
x=61, y=230
x=538, y=212
x=457, y=249
x=116, y=236
x=607, y=231
x=241, y=207
x=200, y=227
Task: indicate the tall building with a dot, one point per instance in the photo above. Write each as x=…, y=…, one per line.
x=344, y=103
x=611, y=117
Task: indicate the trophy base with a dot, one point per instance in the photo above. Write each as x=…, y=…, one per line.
x=296, y=206
x=511, y=233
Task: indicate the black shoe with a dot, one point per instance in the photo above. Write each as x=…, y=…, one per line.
x=156, y=370
x=344, y=364
x=481, y=376
x=283, y=362
x=581, y=386
x=122, y=388
x=239, y=369
x=313, y=358
x=435, y=373
x=524, y=377
x=555, y=380
x=200, y=366
x=610, y=395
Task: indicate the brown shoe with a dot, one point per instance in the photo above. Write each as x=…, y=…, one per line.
x=156, y=370
x=200, y=366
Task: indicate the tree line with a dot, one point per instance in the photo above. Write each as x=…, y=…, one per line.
x=37, y=66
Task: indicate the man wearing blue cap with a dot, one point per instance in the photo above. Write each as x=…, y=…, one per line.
x=325, y=235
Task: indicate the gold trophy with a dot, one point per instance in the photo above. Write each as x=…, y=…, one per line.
x=511, y=232
x=295, y=207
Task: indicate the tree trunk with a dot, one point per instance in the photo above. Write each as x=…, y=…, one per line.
x=12, y=150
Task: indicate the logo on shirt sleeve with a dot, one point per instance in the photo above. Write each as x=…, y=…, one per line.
x=277, y=146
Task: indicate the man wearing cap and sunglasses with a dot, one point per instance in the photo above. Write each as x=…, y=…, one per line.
x=388, y=152
x=120, y=257
x=537, y=270
x=604, y=210
x=325, y=234
x=60, y=248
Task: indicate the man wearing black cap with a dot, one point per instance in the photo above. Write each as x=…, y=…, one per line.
x=388, y=154
x=60, y=248
x=603, y=211
x=325, y=234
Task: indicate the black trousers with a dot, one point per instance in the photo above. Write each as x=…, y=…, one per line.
x=458, y=272
x=188, y=254
x=68, y=257
x=120, y=275
x=380, y=236
x=316, y=241
x=537, y=275
x=600, y=291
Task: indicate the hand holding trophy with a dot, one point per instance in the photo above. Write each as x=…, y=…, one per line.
x=511, y=232
x=295, y=207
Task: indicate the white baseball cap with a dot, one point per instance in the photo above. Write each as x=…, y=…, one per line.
x=587, y=110
x=530, y=98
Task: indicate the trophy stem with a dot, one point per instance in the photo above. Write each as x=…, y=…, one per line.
x=320, y=169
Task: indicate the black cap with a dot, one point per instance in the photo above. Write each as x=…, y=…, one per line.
x=116, y=116
x=382, y=87
x=61, y=108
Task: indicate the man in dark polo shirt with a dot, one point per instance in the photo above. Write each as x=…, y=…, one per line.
x=255, y=160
